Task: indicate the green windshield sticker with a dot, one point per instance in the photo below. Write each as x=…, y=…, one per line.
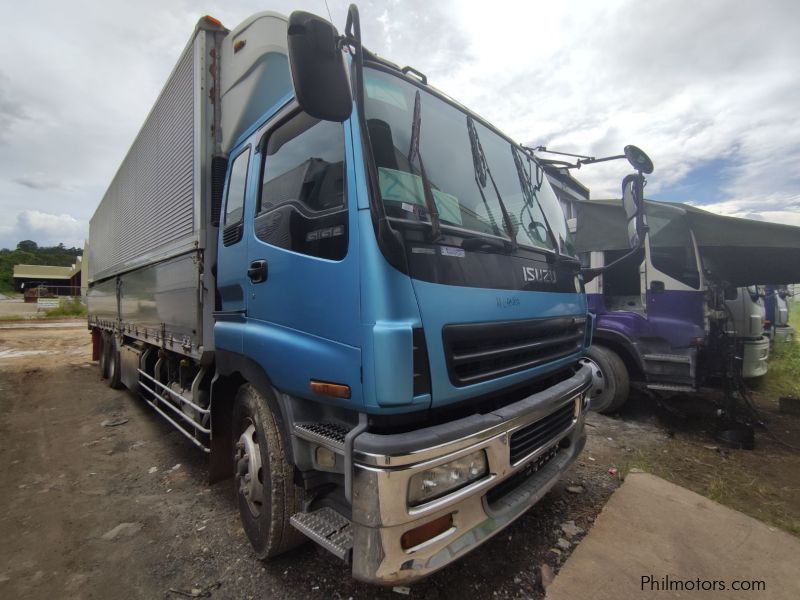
x=382, y=91
x=398, y=186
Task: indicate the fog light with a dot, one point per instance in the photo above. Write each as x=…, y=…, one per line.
x=438, y=481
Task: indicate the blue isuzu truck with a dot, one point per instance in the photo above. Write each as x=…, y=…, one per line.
x=359, y=298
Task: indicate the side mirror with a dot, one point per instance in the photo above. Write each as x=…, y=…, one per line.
x=320, y=79
x=633, y=203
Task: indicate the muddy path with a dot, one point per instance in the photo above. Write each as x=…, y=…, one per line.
x=92, y=511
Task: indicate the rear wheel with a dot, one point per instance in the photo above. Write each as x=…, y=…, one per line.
x=266, y=493
x=114, y=381
x=610, y=380
x=103, y=362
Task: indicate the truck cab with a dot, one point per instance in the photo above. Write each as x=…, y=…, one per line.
x=745, y=307
x=426, y=380
x=651, y=313
x=776, y=305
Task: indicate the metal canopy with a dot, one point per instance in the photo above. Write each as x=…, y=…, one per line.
x=736, y=251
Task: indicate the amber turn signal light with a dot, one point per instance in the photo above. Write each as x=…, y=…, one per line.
x=419, y=535
x=324, y=388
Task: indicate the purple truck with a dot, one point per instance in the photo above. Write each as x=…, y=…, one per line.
x=666, y=318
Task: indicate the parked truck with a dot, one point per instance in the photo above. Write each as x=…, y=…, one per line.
x=685, y=312
x=384, y=352
x=746, y=318
x=776, y=325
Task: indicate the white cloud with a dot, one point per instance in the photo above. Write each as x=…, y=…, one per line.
x=47, y=229
x=686, y=81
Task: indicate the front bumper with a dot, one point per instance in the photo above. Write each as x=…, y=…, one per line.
x=754, y=357
x=784, y=335
x=381, y=514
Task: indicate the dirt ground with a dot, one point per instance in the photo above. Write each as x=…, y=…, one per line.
x=89, y=511
x=17, y=307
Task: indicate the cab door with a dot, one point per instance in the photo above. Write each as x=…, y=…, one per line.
x=302, y=278
x=231, y=292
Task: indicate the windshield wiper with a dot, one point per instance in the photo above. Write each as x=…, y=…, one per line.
x=481, y=167
x=529, y=194
x=430, y=203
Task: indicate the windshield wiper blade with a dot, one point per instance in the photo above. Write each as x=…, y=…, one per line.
x=482, y=170
x=529, y=193
x=427, y=191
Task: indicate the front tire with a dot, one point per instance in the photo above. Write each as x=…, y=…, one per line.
x=610, y=370
x=265, y=490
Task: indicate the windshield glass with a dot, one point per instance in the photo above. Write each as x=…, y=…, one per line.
x=446, y=151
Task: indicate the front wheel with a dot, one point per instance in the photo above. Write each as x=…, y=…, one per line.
x=265, y=490
x=610, y=380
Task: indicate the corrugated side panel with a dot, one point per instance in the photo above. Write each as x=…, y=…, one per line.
x=149, y=207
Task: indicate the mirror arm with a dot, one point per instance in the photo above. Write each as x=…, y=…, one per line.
x=589, y=273
x=386, y=234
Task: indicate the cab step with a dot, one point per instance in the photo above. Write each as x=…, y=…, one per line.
x=330, y=435
x=328, y=528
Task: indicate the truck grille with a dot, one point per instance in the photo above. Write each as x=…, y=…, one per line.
x=478, y=352
x=534, y=436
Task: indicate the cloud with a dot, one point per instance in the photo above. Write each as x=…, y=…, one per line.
x=48, y=229
x=41, y=181
x=689, y=82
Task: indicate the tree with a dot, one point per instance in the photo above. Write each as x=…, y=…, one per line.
x=28, y=246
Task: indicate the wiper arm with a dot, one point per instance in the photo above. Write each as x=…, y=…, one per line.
x=529, y=193
x=427, y=191
x=482, y=169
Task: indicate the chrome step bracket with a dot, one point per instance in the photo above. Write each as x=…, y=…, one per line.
x=330, y=435
x=668, y=387
x=328, y=528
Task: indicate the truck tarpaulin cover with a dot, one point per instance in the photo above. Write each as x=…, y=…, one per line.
x=734, y=250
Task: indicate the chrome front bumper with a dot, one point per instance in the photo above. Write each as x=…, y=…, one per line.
x=381, y=514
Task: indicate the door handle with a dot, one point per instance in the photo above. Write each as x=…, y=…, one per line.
x=258, y=271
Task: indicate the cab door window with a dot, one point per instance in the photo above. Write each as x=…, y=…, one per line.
x=301, y=205
x=234, y=205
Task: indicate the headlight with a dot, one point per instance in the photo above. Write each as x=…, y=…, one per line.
x=438, y=481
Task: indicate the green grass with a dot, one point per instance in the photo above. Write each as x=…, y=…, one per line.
x=69, y=308
x=783, y=377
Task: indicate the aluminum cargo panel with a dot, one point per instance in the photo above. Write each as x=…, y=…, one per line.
x=163, y=301
x=154, y=207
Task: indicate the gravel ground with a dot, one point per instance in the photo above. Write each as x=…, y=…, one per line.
x=92, y=511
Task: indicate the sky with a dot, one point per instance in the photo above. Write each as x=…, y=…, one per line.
x=708, y=89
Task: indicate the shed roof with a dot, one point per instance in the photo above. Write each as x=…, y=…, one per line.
x=45, y=271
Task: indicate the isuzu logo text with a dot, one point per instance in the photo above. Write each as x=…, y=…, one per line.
x=538, y=274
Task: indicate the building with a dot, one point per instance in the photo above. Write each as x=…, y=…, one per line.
x=47, y=280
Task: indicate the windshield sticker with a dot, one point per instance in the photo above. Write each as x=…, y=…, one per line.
x=409, y=207
x=451, y=251
x=406, y=188
x=383, y=92
x=422, y=250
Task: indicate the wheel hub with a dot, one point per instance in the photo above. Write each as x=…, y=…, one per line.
x=249, y=472
x=598, y=381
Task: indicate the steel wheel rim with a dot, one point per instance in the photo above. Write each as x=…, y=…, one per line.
x=598, y=386
x=249, y=471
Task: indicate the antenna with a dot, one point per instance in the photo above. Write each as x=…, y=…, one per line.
x=328, y=8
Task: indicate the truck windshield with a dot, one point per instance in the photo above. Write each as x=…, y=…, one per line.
x=447, y=139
